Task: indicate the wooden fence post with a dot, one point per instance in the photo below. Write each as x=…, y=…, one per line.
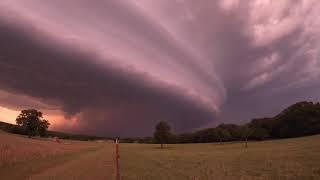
x=117, y=160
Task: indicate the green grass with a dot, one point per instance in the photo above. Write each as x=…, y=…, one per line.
x=297, y=158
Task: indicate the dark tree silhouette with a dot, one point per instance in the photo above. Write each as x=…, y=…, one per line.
x=299, y=119
x=32, y=122
x=162, y=133
x=246, y=133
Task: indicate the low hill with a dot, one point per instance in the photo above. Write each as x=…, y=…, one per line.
x=300, y=119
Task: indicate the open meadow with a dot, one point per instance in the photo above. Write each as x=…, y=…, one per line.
x=297, y=158
x=25, y=158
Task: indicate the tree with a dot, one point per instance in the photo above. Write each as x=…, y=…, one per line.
x=246, y=133
x=259, y=134
x=162, y=133
x=223, y=134
x=32, y=122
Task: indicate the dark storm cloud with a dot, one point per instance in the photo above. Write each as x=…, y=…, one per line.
x=109, y=101
x=265, y=53
x=120, y=66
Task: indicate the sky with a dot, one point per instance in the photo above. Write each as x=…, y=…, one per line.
x=116, y=68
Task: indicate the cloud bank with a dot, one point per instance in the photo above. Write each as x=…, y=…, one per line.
x=118, y=67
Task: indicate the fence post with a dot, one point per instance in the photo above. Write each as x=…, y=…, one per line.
x=117, y=160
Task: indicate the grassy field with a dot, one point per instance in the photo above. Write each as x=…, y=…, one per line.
x=297, y=158
x=24, y=158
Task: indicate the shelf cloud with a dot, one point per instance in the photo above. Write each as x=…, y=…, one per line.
x=118, y=67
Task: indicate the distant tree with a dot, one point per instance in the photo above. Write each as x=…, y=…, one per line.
x=186, y=138
x=246, y=133
x=223, y=134
x=229, y=132
x=162, y=133
x=32, y=122
x=260, y=134
x=299, y=119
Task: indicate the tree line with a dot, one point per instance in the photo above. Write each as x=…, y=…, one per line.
x=300, y=119
x=30, y=122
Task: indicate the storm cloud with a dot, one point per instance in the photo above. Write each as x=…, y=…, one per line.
x=118, y=67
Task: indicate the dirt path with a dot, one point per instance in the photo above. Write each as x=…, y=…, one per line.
x=95, y=165
x=24, y=158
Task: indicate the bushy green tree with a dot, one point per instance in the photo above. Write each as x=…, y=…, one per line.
x=32, y=122
x=162, y=133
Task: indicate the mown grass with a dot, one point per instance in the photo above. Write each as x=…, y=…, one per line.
x=24, y=158
x=18, y=148
x=25, y=169
x=297, y=158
